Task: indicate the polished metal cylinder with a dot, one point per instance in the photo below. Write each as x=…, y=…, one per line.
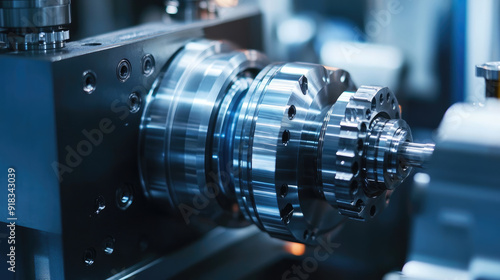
x=415, y=154
x=293, y=148
x=34, y=13
x=34, y=24
x=186, y=160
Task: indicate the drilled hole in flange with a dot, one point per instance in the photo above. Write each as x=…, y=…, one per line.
x=283, y=190
x=304, y=86
x=286, y=213
x=381, y=98
x=291, y=112
x=285, y=137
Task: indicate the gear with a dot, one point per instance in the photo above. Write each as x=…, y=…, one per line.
x=351, y=123
x=36, y=41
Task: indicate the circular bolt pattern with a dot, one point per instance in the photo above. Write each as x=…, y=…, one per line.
x=356, y=192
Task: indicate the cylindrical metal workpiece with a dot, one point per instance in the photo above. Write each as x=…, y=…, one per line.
x=34, y=24
x=415, y=154
x=34, y=13
x=292, y=147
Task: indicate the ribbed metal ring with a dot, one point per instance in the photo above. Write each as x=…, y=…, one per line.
x=277, y=149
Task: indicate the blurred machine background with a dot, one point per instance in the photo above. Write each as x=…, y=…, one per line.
x=440, y=221
x=429, y=49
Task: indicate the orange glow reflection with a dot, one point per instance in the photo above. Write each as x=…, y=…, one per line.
x=296, y=249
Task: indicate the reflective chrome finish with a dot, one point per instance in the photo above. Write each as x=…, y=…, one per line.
x=277, y=152
x=35, y=24
x=416, y=154
x=292, y=148
x=490, y=71
x=359, y=163
x=182, y=130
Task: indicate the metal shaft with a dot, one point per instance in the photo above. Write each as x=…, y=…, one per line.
x=290, y=147
x=415, y=154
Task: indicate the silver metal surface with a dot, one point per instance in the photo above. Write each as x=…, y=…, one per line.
x=180, y=126
x=35, y=24
x=489, y=70
x=289, y=149
x=36, y=41
x=359, y=159
x=277, y=152
x=416, y=154
x=34, y=13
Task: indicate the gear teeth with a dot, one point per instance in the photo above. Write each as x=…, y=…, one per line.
x=362, y=107
x=36, y=41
